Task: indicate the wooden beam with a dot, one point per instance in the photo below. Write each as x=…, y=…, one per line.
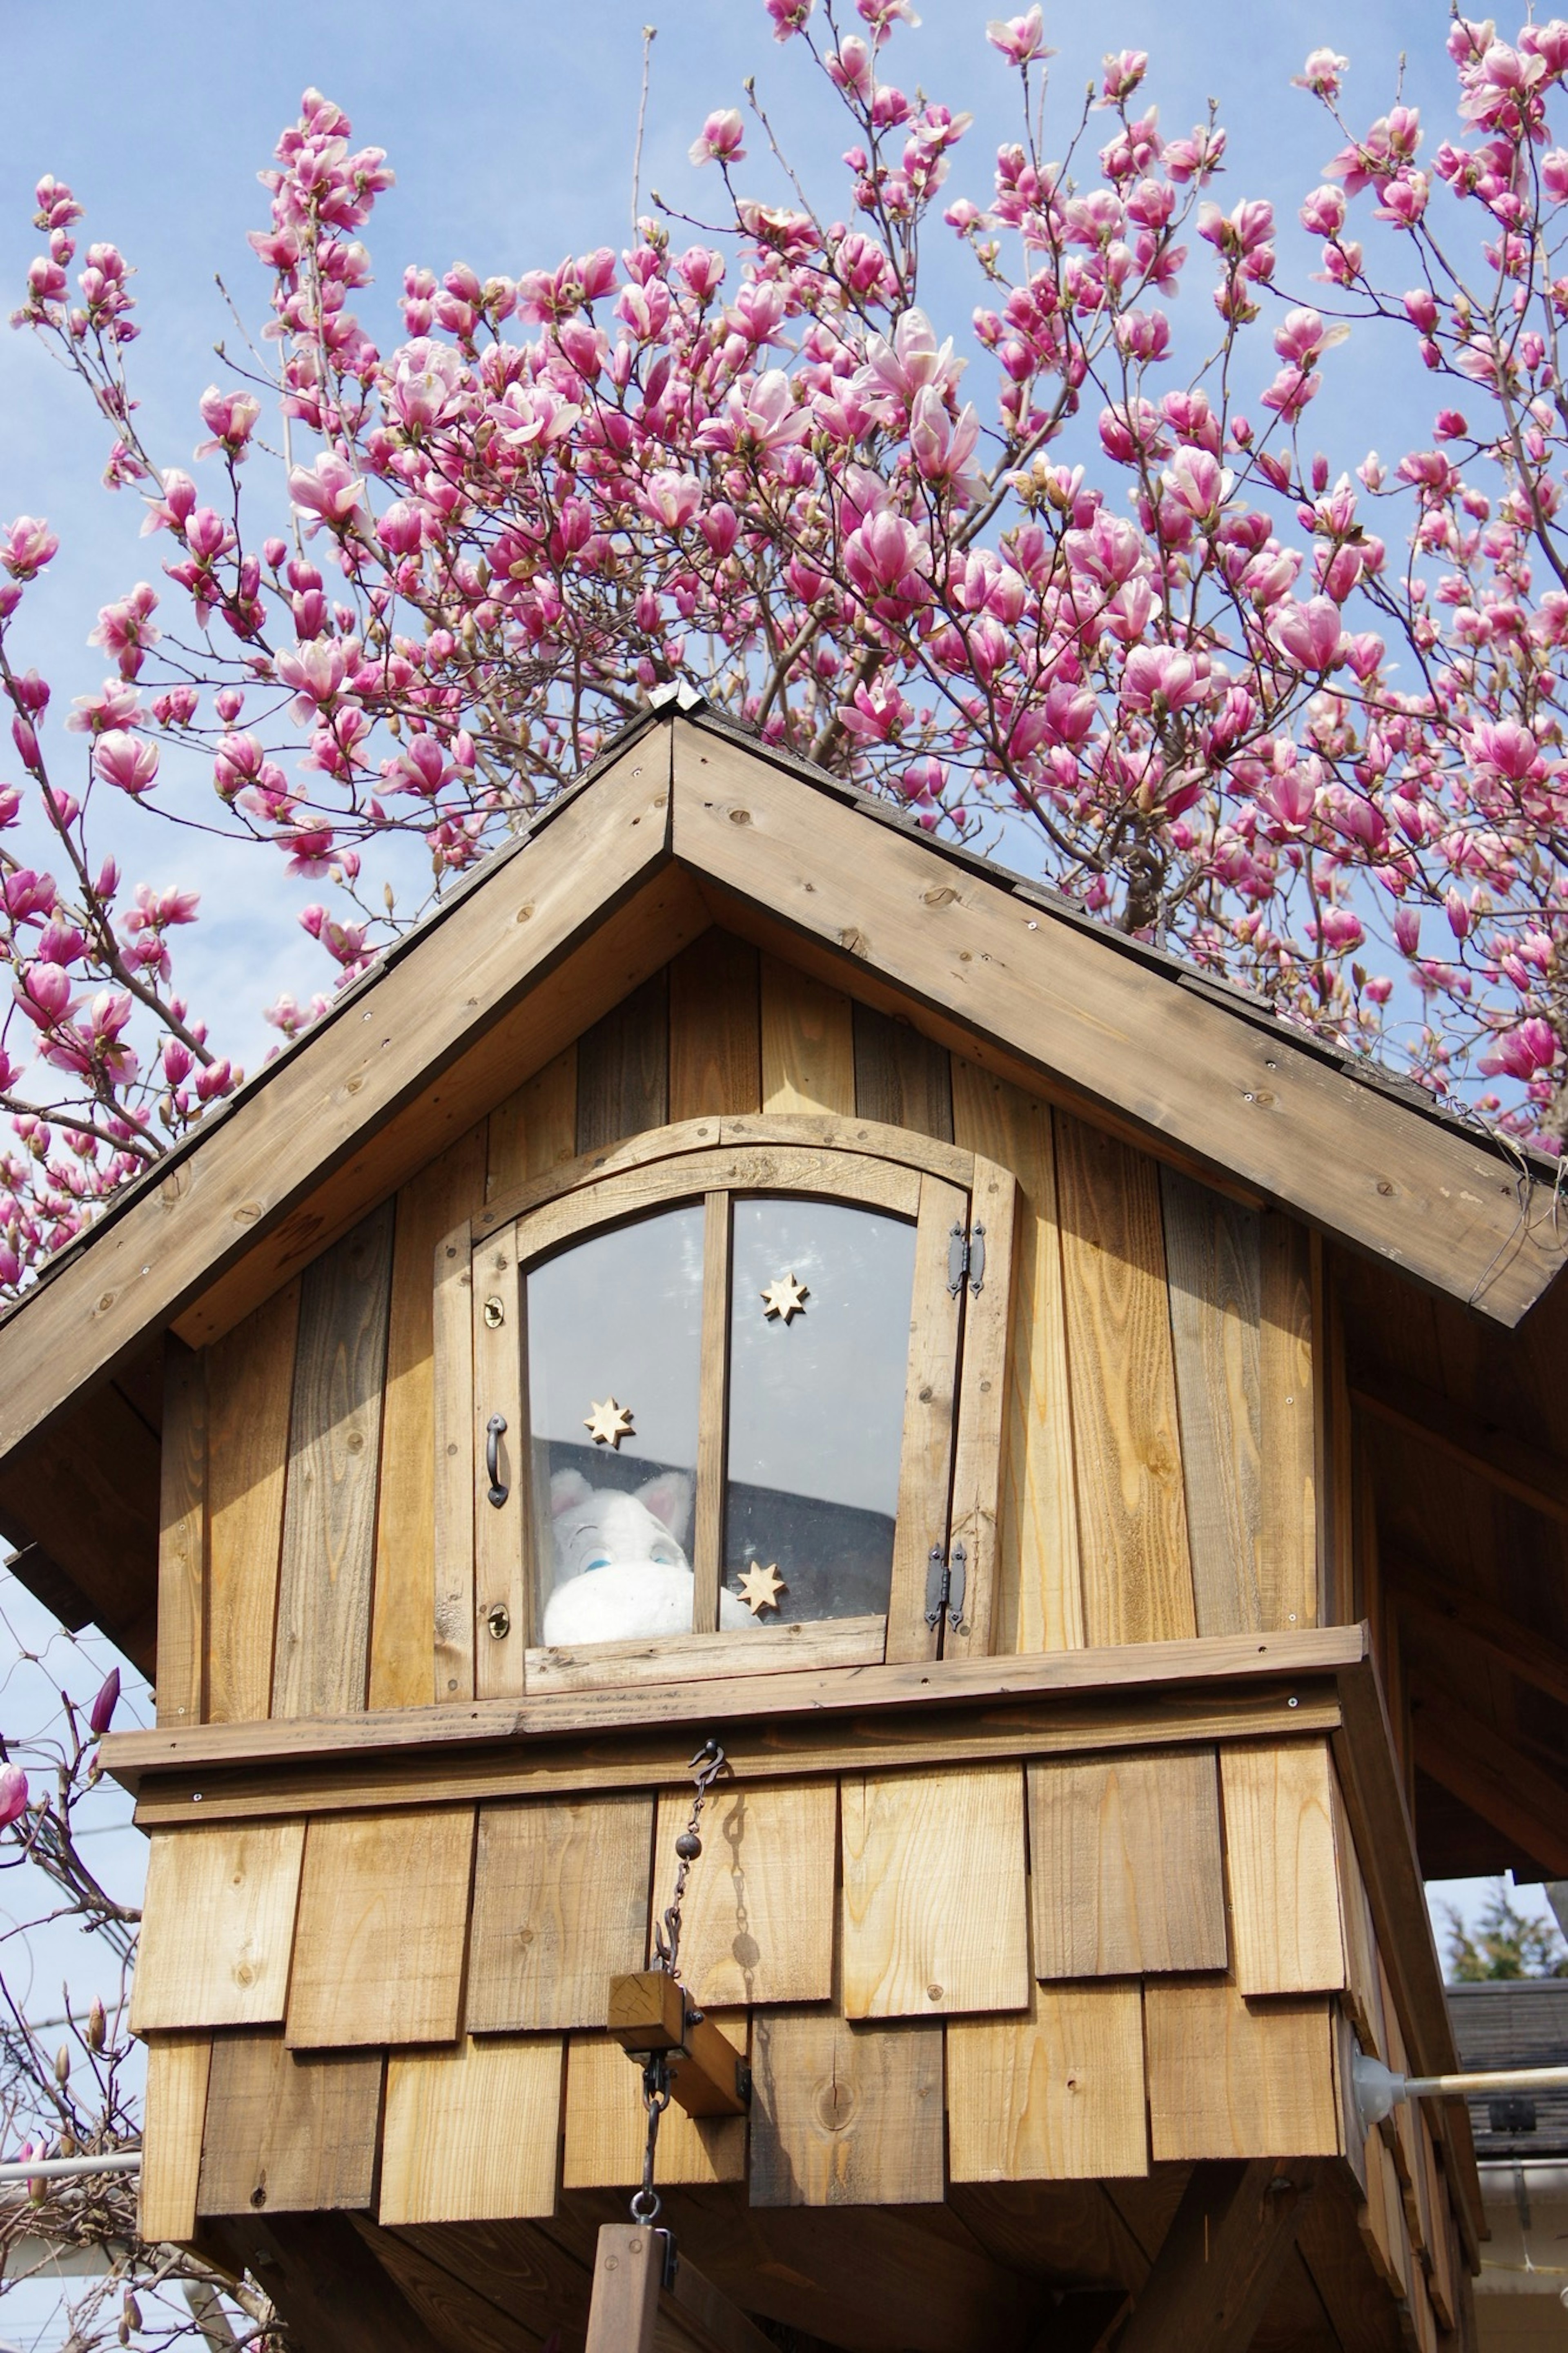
x=627, y=2274
x=1487, y=1448
x=1006, y=978
x=1440, y=1609
x=1124, y=1671
x=1211, y=2280
x=1486, y=1772
x=167, y=1239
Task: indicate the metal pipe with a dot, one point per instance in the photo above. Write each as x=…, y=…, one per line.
x=71, y=2168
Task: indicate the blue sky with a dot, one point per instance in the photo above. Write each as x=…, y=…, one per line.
x=511, y=135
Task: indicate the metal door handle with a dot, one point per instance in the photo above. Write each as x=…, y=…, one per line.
x=494, y=1429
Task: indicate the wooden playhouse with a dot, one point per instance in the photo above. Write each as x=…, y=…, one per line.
x=1092, y=1458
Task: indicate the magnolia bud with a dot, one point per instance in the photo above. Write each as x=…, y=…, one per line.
x=133, y=2312
x=97, y=2027
x=63, y=2064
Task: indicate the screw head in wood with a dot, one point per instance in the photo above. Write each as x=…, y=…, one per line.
x=495, y=1313
x=499, y=1623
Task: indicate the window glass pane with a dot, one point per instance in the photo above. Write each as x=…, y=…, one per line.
x=816, y=1404
x=615, y=1322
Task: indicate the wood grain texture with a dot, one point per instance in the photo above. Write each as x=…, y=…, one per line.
x=901, y=1076
x=808, y=1043
x=925, y=1460
x=384, y=1917
x=1055, y=2095
x=1288, y=1569
x=471, y=2135
x=1364, y=1992
x=181, y=1537
x=455, y=1471
x=1126, y=1875
x=759, y=1913
x=648, y=1660
x=561, y=1897
x=288, y=2133
x=623, y=2317
x=250, y=1383
x=1229, y=2077
x=1132, y=1522
x=1213, y=1252
x=173, y=2108
x=1279, y=1861
x=1023, y=986
x=403, y=1617
x=607, y=2127
x=845, y=2114
x=534, y=1130
x=501, y=1597
x=623, y=1067
x=975, y=1508
x=1039, y=1601
x=715, y=1029
x=933, y=1919
x=217, y=1926
x=327, y=1577
x=1224, y=2258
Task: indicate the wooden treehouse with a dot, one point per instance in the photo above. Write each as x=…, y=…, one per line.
x=1097, y=1462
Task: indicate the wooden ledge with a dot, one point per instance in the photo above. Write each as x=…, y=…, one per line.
x=1131, y=1672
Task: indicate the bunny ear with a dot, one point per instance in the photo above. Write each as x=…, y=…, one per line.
x=566, y=1488
x=668, y=1498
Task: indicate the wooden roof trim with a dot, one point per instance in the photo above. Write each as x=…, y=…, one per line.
x=350, y=1074
x=1443, y=1204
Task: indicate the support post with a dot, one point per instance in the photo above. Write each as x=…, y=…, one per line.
x=628, y=2269
x=1224, y=2251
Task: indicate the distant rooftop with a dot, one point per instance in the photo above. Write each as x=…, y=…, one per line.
x=1514, y=2023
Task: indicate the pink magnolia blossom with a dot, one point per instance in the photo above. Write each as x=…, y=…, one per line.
x=128, y=762
x=719, y=138
x=329, y=490
x=1311, y=634
x=13, y=1805
x=1020, y=39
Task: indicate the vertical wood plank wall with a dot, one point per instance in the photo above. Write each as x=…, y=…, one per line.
x=1170, y=1424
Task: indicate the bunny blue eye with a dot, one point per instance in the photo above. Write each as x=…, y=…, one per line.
x=600, y=1560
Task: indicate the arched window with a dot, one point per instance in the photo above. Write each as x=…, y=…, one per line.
x=731, y=1396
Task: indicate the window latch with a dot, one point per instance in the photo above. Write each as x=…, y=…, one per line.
x=947, y=1574
x=965, y=1259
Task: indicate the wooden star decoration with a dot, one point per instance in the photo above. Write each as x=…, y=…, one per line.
x=608, y=1423
x=786, y=1297
x=761, y=1587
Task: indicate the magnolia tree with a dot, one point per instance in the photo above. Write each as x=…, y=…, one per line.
x=1073, y=578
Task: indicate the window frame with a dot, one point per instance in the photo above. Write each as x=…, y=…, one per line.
x=487, y=1578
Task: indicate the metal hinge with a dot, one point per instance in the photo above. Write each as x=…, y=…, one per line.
x=946, y=1575
x=965, y=1257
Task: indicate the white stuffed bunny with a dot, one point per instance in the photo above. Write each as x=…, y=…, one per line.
x=620, y=1569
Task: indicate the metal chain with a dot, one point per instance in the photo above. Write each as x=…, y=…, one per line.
x=706, y=1766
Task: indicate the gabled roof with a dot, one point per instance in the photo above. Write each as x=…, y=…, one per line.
x=684, y=820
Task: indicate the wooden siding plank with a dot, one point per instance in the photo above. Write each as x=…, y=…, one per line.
x=250, y=1382
x=901, y=1075
x=560, y=1895
x=173, y=2108
x=1213, y=1251
x=384, y=1917
x=1279, y=1862
x=287, y=2134
x=1229, y=2077
x=606, y=2126
x=808, y=1043
x=1288, y=1560
x=500, y=1578
x=843, y=2114
x=1039, y=1603
x=217, y=1926
x=536, y=1129
x=471, y=2135
x=1054, y=2095
x=982, y=1410
x=803, y=1645
x=759, y=1910
x=1125, y=1869
x=933, y=1917
x=403, y=1617
x=457, y=1485
x=1132, y=1522
x=182, y=1536
x=327, y=1577
x=925, y=1462
x=715, y=1029
x=1364, y=1991
x=623, y=1067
